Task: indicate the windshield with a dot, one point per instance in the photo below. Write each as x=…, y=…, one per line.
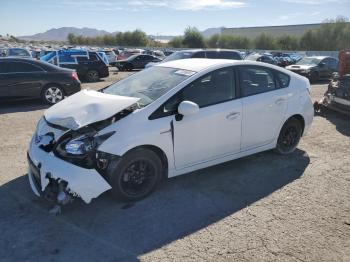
x=178, y=55
x=149, y=84
x=309, y=61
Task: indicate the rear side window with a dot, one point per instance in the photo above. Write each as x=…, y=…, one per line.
x=93, y=57
x=255, y=80
x=19, y=67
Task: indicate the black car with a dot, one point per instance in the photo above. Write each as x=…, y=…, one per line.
x=90, y=68
x=261, y=58
x=136, y=62
x=315, y=67
x=22, y=78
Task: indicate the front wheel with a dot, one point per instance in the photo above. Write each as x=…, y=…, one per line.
x=289, y=136
x=135, y=175
x=52, y=94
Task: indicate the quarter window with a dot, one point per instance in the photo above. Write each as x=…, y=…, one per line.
x=256, y=80
x=283, y=79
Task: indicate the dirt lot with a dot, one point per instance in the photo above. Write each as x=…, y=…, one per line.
x=260, y=208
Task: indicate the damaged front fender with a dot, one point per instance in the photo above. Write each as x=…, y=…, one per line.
x=86, y=183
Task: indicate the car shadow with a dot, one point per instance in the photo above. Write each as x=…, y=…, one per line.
x=21, y=106
x=180, y=207
x=340, y=120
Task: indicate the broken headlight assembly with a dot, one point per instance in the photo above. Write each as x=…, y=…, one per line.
x=81, y=149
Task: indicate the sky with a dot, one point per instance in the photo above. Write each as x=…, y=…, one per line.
x=161, y=17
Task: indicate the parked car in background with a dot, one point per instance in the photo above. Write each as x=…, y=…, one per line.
x=22, y=78
x=172, y=119
x=18, y=52
x=202, y=53
x=337, y=96
x=111, y=56
x=157, y=53
x=90, y=66
x=136, y=62
x=129, y=52
x=168, y=52
x=315, y=67
x=261, y=58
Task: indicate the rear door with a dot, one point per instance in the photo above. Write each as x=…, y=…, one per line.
x=264, y=101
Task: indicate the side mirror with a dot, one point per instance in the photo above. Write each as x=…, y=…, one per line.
x=322, y=64
x=187, y=108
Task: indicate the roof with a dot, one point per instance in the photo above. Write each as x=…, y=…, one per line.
x=197, y=64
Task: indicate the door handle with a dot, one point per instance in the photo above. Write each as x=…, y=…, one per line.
x=280, y=101
x=232, y=115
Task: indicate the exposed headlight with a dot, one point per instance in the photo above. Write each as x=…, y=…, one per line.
x=84, y=144
x=306, y=71
x=79, y=146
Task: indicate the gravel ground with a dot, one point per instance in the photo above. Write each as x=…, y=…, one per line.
x=264, y=207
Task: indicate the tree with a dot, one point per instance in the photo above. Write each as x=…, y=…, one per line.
x=265, y=42
x=71, y=39
x=193, y=38
x=176, y=42
x=287, y=42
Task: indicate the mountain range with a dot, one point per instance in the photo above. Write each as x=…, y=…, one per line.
x=60, y=34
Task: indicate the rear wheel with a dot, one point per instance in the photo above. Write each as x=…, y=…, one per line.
x=129, y=67
x=52, y=94
x=135, y=175
x=92, y=76
x=289, y=136
x=314, y=77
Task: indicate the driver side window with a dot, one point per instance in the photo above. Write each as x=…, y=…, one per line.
x=213, y=88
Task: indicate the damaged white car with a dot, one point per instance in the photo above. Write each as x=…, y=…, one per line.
x=165, y=121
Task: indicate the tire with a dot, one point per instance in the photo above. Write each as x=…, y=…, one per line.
x=126, y=177
x=92, y=76
x=314, y=77
x=289, y=137
x=52, y=94
x=128, y=67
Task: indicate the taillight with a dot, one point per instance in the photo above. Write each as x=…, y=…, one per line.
x=75, y=76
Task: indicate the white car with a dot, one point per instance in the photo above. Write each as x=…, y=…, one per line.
x=170, y=119
x=112, y=57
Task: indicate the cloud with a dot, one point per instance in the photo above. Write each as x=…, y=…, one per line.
x=315, y=2
x=142, y=5
x=296, y=15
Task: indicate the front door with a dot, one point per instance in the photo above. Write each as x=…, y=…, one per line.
x=215, y=131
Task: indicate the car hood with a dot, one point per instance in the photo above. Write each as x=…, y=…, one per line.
x=87, y=107
x=302, y=67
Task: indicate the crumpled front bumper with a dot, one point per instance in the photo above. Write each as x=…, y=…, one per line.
x=82, y=182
